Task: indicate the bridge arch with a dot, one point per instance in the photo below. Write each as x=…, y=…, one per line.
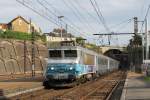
x=118, y=55
x=113, y=53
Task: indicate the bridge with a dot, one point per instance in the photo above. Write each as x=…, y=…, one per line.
x=105, y=49
x=116, y=52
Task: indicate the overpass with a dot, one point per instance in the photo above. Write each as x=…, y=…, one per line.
x=118, y=53
x=104, y=49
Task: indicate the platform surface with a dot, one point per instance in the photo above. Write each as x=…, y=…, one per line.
x=137, y=87
x=8, y=87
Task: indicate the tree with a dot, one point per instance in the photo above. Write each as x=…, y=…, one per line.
x=80, y=41
x=135, y=52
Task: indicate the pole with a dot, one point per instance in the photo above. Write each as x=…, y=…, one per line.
x=67, y=29
x=109, y=39
x=33, y=55
x=60, y=17
x=33, y=50
x=25, y=48
x=135, y=25
x=61, y=28
x=136, y=63
x=147, y=42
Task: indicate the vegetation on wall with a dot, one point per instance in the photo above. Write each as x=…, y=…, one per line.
x=8, y=34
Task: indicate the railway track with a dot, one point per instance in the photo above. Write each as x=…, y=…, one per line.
x=100, y=89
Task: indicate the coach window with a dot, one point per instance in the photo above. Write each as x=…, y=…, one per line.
x=55, y=53
x=70, y=53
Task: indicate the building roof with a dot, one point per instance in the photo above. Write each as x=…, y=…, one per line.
x=3, y=23
x=19, y=17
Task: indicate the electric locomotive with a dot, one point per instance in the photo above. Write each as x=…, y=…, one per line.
x=70, y=65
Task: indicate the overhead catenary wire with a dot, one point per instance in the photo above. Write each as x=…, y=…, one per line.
x=103, y=19
x=120, y=27
x=46, y=17
x=99, y=14
x=72, y=24
x=77, y=13
x=83, y=18
x=72, y=27
x=57, y=11
x=120, y=23
x=88, y=13
x=49, y=18
x=78, y=17
x=147, y=12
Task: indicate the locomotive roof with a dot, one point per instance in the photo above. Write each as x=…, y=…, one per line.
x=82, y=49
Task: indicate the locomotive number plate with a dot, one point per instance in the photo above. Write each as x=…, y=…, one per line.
x=62, y=76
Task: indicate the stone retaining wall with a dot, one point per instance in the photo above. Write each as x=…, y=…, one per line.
x=12, y=57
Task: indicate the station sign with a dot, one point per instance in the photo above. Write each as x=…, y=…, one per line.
x=146, y=61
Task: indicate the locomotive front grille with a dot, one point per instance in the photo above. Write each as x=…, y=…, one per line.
x=49, y=77
x=61, y=76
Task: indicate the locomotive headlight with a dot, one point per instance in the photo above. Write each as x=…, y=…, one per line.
x=71, y=68
x=52, y=68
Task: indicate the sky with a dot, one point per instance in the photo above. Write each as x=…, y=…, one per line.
x=80, y=16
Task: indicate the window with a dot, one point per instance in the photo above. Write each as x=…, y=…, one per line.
x=55, y=53
x=20, y=21
x=70, y=53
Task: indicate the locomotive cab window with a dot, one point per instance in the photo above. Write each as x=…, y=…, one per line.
x=70, y=53
x=55, y=54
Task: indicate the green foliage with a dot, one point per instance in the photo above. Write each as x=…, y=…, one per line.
x=135, y=52
x=15, y=35
x=137, y=40
x=147, y=79
x=20, y=35
x=80, y=41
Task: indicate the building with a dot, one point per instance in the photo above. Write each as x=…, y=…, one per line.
x=20, y=24
x=55, y=39
x=3, y=26
x=56, y=36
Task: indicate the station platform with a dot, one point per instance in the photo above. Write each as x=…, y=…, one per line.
x=137, y=87
x=9, y=88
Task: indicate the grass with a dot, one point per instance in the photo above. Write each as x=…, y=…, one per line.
x=8, y=34
x=147, y=79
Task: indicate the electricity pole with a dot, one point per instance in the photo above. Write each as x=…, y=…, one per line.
x=60, y=18
x=25, y=56
x=147, y=40
x=135, y=25
x=135, y=46
x=33, y=50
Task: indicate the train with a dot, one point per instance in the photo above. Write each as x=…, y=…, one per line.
x=72, y=65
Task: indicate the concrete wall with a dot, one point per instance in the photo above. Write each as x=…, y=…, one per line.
x=13, y=61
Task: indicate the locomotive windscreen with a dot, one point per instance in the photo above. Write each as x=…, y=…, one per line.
x=55, y=53
x=70, y=53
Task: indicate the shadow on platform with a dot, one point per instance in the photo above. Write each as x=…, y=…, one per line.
x=2, y=96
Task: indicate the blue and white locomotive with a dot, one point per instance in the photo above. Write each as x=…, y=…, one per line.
x=70, y=65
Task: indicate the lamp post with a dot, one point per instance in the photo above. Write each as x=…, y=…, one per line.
x=60, y=18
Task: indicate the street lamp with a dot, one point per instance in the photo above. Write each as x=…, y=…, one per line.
x=60, y=18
